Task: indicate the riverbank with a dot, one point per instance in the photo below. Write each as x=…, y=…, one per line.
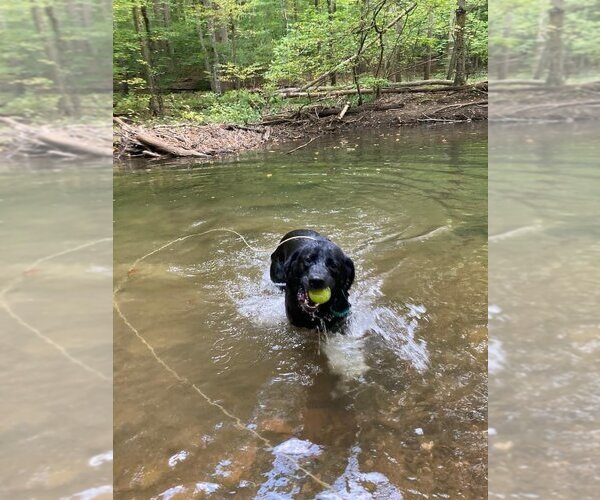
x=308, y=122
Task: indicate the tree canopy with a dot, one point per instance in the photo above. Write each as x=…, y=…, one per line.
x=55, y=56
x=220, y=45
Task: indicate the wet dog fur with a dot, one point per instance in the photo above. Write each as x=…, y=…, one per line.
x=310, y=263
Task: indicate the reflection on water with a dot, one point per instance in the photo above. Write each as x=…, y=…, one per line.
x=395, y=407
x=55, y=331
x=544, y=316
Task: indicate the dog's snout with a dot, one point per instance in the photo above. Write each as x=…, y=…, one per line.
x=316, y=283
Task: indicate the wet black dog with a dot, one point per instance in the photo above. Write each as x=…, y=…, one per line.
x=314, y=263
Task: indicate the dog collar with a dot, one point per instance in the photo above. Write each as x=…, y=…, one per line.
x=341, y=314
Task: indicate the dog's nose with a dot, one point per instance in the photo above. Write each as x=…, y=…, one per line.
x=316, y=283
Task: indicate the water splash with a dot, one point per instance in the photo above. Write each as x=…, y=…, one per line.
x=91, y=493
x=260, y=301
x=101, y=458
x=283, y=479
x=361, y=485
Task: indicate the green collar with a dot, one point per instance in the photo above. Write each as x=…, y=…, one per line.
x=341, y=314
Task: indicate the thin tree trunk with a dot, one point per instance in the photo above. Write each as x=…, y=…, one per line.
x=61, y=49
x=162, y=16
x=67, y=104
x=233, y=39
x=504, y=67
x=555, y=46
x=451, y=51
x=217, y=86
x=331, y=8
x=427, y=67
x=284, y=14
x=460, y=48
x=205, y=54
x=142, y=28
x=541, y=59
x=398, y=56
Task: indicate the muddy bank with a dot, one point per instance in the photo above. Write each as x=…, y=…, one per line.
x=213, y=141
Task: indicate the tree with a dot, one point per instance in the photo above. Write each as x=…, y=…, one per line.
x=555, y=45
x=142, y=28
x=460, y=47
x=55, y=58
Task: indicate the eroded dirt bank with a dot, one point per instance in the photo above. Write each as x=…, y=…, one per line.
x=212, y=141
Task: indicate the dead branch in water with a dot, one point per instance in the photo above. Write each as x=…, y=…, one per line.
x=301, y=146
x=187, y=140
x=63, y=142
x=152, y=141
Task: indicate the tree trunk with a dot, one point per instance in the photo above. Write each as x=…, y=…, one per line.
x=555, y=47
x=540, y=59
x=205, y=54
x=68, y=102
x=233, y=39
x=460, y=47
x=213, y=35
x=451, y=51
x=397, y=61
x=427, y=66
x=504, y=67
x=331, y=8
x=162, y=16
x=142, y=28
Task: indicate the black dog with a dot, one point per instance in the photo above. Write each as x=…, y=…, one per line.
x=313, y=263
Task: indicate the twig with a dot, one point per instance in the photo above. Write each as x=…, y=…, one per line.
x=302, y=146
x=461, y=105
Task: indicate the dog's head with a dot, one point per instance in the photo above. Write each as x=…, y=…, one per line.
x=316, y=266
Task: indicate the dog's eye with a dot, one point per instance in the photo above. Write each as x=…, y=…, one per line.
x=331, y=263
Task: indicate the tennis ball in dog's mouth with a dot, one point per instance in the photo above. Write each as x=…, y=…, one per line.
x=320, y=296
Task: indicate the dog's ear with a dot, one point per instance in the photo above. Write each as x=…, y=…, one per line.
x=349, y=268
x=290, y=266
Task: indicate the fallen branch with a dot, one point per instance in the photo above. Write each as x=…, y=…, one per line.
x=460, y=105
x=301, y=146
x=443, y=120
x=518, y=82
x=552, y=105
x=65, y=144
x=387, y=90
x=154, y=142
x=329, y=88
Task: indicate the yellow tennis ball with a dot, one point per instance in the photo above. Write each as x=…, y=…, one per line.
x=320, y=296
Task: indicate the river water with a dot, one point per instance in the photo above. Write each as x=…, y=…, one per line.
x=55, y=329
x=544, y=318
x=396, y=407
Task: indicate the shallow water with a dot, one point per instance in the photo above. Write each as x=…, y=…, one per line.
x=544, y=292
x=395, y=407
x=56, y=423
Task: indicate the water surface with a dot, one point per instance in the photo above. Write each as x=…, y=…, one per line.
x=397, y=407
x=55, y=329
x=544, y=315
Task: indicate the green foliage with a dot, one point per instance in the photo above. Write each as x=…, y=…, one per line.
x=51, y=54
x=233, y=44
x=236, y=106
x=518, y=29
